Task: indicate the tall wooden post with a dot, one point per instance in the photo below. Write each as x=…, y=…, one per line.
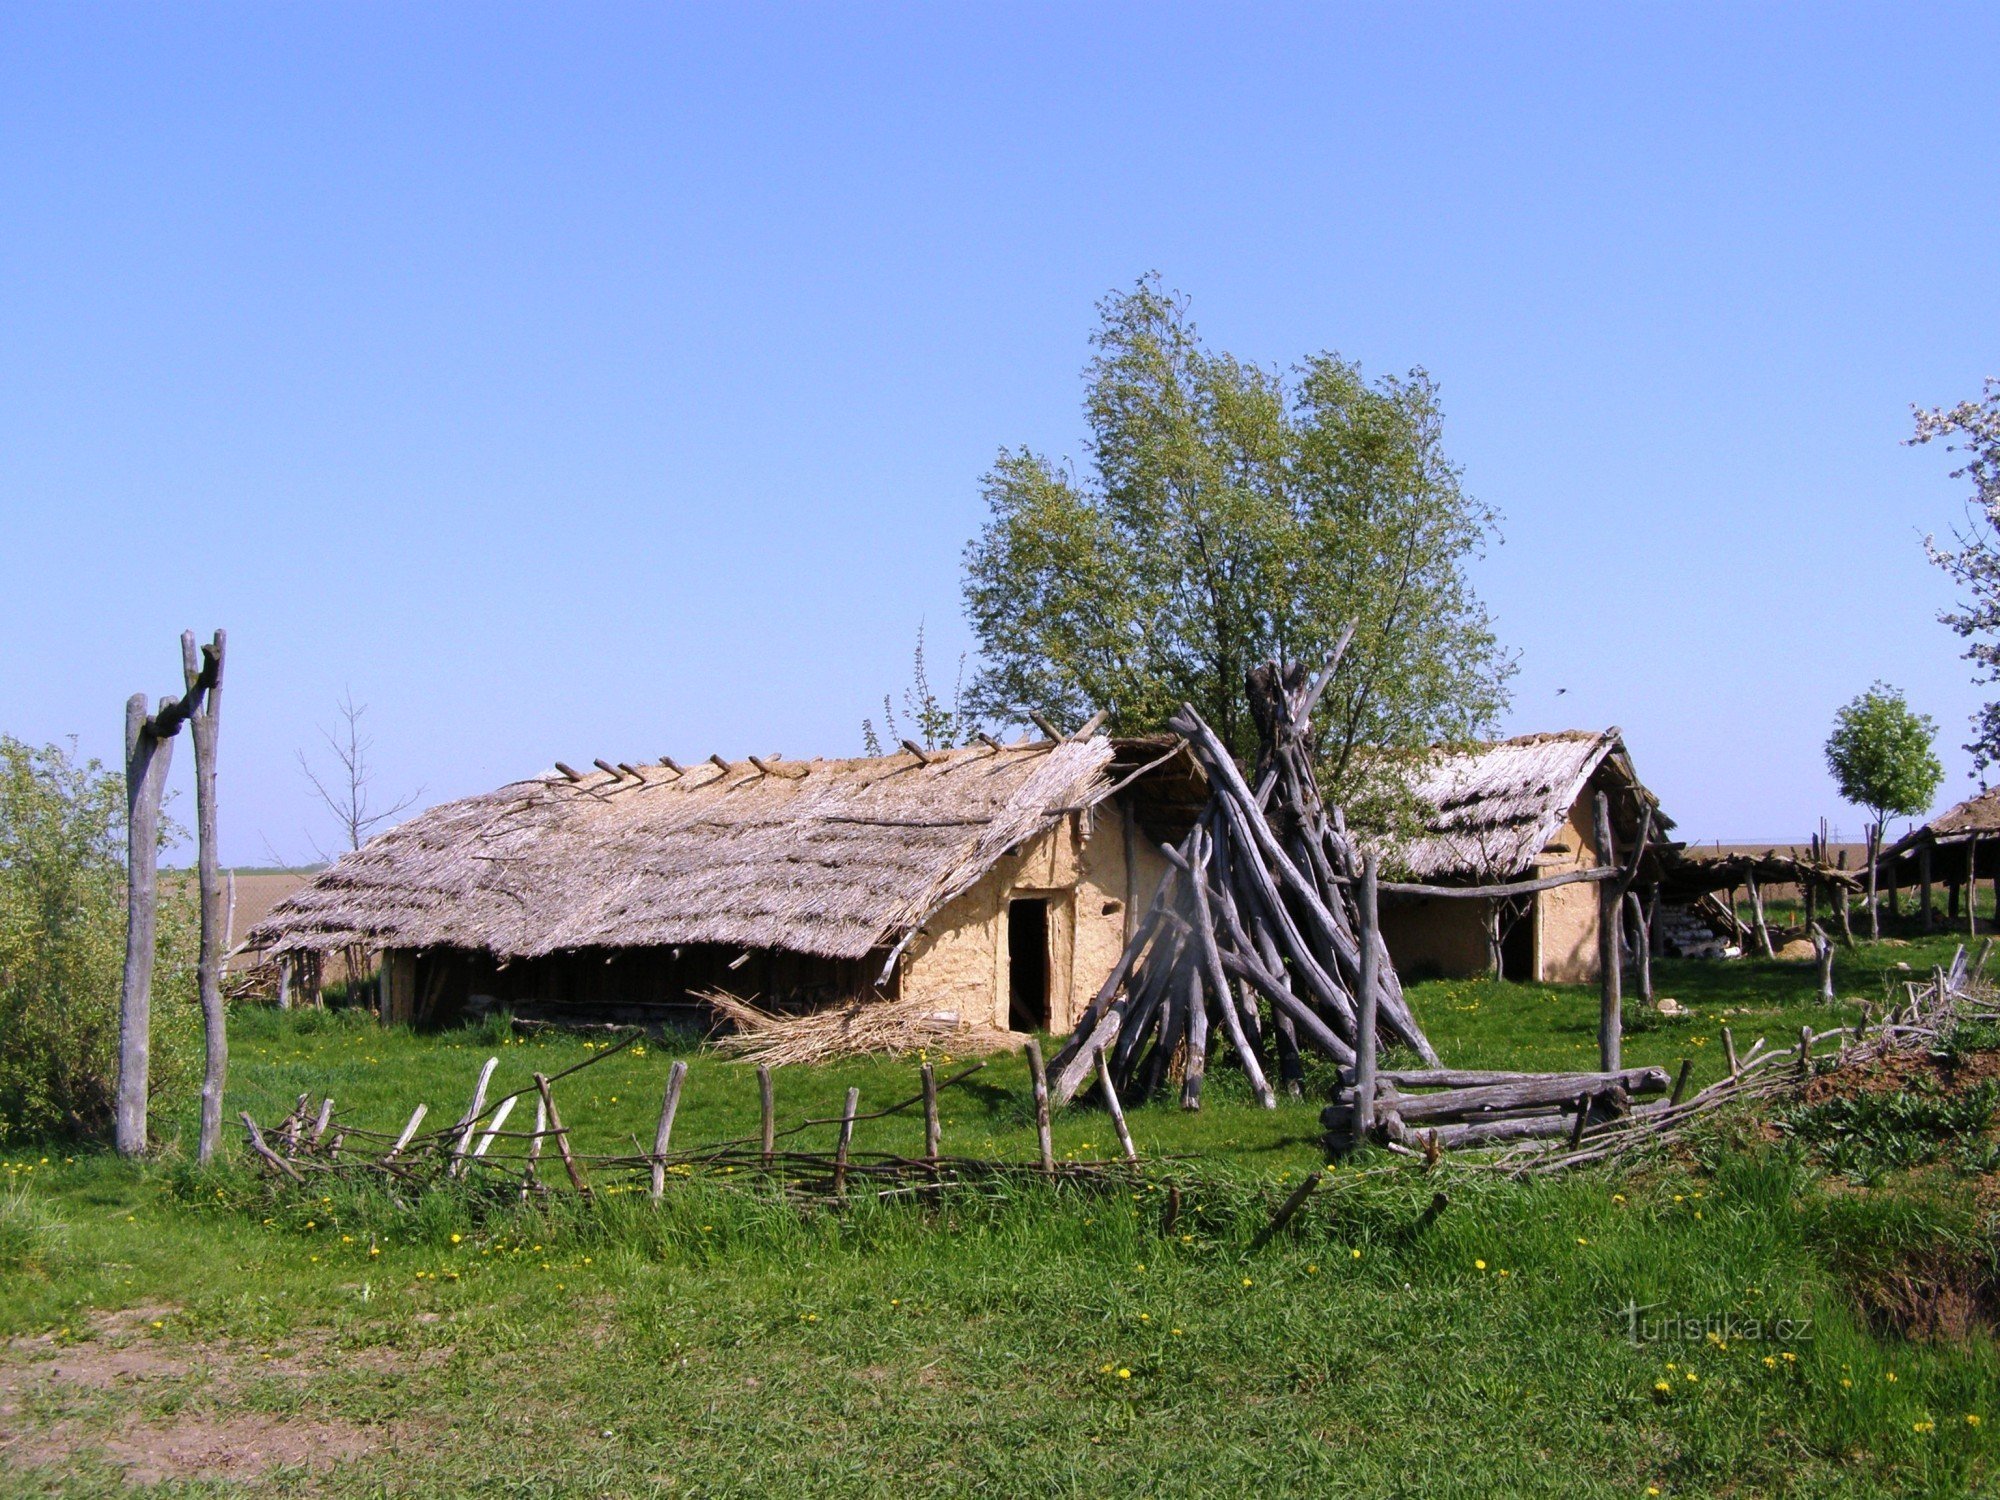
x=1642, y=948
x=147, y=757
x=1924, y=877
x=1611, y=998
x=1368, y=1002
x=204, y=725
x=1874, y=893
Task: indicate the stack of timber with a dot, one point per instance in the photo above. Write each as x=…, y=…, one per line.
x=1257, y=916
x=1444, y=1108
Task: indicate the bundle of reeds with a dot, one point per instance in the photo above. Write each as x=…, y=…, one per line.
x=859, y=1028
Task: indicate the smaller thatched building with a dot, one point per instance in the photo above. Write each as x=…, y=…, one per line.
x=1519, y=809
x=1959, y=847
x=999, y=882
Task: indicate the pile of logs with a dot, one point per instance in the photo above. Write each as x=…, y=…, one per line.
x=1445, y=1108
x=1257, y=910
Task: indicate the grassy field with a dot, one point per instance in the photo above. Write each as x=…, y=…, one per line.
x=190, y=1329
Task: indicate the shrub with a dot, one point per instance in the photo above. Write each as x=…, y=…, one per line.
x=62, y=950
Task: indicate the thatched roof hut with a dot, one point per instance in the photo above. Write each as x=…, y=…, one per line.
x=1508, y=810
x=1958, y=846
x=797, y=880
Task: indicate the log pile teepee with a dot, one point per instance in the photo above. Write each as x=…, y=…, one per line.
x=1256, y=917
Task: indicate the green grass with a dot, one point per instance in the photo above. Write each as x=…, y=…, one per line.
x=727, y=1344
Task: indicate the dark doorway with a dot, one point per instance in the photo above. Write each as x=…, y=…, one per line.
x=1028, y=965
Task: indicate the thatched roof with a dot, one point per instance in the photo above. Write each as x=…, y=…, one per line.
x=1975, y=818
x=836, y=858
x=1490, y=809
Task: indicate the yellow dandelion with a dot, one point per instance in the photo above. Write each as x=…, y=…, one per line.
x=1124, y=1374
x=1972, y=1419
x=1479, y=1265
x=1355, y=1253
x=1661, y=1386
x=456, y=1238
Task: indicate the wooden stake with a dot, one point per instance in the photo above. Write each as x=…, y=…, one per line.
x=469, y=1121
x=257, y=1145
x=1729, y=1049
x=214, y=1024
x=1365, y=1019
x=409, y=1130
x=562, y=1137
x=1681, y=1082
x=493, y=1131
x=1039, y=1077
x=146, y=760
x=665, y=1131
x=528, y=1182
x=768, y=1105
x=1283, y=1216
x=1611, y=1000
x=1805, y=1052
x=1117, y=1113
x=846, y=1140
x=1582, y=1113
x=931, y=1133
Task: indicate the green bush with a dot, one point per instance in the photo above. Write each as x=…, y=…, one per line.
x=62, y=950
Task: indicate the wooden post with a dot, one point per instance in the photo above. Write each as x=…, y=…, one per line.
x=1611, y=999
x=146, y=760
x=1117, y=1112
x=768, y=1107
x=1681, y=1082
x=1805, y=1052
x=1846, y=906
x=1924, y=879
x=1823, y=952
x=409, y=1130
x=1874, y=846
x=214, y=1024
x=664, y=1133
x=1972, y=887
x=1757, y=915
x=1729, y=1049
x=931, y=1132
x=1582, y=1113
x=469, y=1121
x=1292, y=1204
x=846, y=1140
x=555, y=1128
x=1642, y=947
x=492, y=1132
x=1039, y=1077
x=1367, y=907
x=528, y=1182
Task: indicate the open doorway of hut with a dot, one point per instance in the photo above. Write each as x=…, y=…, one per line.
x=1028, y=964
x=1517, y=948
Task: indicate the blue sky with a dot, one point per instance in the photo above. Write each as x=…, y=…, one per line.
x=578, y=381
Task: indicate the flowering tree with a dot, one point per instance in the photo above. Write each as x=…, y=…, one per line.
x=1973, y=428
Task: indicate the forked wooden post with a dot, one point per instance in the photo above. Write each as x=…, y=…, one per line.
x=847, y=1113
x=665, y=1132
x=1038, y=1075
x=768, y=1103
x=555, y=1128
x=1368, y=1001
x=931, y=1132
x=1611, y=998
x=205, y=665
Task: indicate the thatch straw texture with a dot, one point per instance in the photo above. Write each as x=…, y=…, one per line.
x=859, y=1028
x=1976, y=817
x=1489, y=810
x=835, y=858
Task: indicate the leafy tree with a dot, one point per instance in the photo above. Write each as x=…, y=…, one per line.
x=1881, y=759
x=1974, y=427
x=935, y=724
x=62, y=950
x=1232, y=515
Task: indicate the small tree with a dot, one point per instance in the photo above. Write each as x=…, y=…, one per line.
x=1881, y=759
x=937, y=725
x=62, y=949
x=348, y=791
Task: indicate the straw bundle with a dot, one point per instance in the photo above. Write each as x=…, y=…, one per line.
x=860, y=1028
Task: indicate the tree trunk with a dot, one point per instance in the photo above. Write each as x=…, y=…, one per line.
x=146, y=762
x=203, y=727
